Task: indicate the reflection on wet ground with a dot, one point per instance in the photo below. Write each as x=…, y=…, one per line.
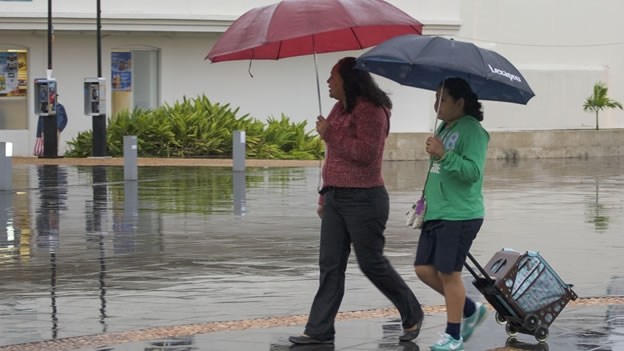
x=84, y=252
x=587, y=330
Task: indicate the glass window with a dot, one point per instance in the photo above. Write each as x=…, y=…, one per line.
x=13, y=89
x=134, y=80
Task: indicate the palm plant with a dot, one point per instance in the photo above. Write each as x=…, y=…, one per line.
x=599, y=101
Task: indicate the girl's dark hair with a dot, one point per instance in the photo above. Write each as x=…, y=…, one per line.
x=459, y=89
x=359, y=83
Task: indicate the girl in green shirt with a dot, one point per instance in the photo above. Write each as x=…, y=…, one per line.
x=454, y=213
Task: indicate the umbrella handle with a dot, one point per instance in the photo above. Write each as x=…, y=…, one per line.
x=318, y=85
x=435, y=122
x=318, y=95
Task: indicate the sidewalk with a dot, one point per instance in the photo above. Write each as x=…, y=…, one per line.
x=579, y=327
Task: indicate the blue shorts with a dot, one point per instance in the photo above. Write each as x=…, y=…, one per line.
x=445, y=244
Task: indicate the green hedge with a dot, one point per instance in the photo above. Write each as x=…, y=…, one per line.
x=199, y=128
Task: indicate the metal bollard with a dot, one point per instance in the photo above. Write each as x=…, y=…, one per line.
x=131, y=205
x=130, y=157
x=238, y=151
x=6, y=166
x=239, y=188
x=7, y=215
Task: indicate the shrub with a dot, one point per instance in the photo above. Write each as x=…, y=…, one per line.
x=199, y=128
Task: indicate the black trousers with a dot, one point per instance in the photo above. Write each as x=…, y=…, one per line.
x=356, y=216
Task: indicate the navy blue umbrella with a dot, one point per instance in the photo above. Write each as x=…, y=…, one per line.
x=425, y=61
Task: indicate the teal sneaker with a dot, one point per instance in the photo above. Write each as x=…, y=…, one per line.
x=448, y=343
x=470, y=323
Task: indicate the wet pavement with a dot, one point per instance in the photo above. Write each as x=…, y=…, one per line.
x=590, y=329
x=83, y=252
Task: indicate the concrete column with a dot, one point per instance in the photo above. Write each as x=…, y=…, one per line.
x=130, y=158
x=6, y=166
x=238, y=150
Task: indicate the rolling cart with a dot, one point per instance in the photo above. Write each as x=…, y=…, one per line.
x=525, y=291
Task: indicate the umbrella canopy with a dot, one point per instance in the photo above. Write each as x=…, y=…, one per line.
x=425, y=61
x=301, y=27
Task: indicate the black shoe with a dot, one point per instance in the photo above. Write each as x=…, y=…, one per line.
x=308, y=340
x=312, y=347
x=408, y=346
x=409, y=335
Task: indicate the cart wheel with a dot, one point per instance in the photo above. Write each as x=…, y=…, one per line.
x=530, y=322
x=541, y=333
x=511, y=330
x=500, y=319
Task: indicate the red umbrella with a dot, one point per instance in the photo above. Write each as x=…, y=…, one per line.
x=301, y=27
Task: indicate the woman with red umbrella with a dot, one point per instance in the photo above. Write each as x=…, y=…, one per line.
x=354, y=204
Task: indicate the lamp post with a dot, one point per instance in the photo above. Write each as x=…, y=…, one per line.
x=50, y=36
x=99, y=121
x=50, y=136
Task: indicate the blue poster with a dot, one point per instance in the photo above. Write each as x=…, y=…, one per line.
x=121, y=71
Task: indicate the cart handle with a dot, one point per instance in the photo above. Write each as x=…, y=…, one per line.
x=476, y=264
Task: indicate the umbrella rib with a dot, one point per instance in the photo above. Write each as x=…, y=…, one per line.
x=356, y=38
x=482, y=60
x=279, y=49
x=417, y=29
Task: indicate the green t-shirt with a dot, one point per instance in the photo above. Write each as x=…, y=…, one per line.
x=454, y=189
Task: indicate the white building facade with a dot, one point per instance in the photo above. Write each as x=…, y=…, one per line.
x=153, y=53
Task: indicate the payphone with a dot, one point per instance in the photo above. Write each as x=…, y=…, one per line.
x=94, y=96
x=45, y=97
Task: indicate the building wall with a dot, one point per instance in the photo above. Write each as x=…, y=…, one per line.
x=562, y=50
x=515, y=145
x=420, y=9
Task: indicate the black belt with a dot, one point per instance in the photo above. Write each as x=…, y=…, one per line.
x=338, y=188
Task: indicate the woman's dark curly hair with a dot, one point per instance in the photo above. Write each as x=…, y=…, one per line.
x=358, y=83
x=459, y=89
